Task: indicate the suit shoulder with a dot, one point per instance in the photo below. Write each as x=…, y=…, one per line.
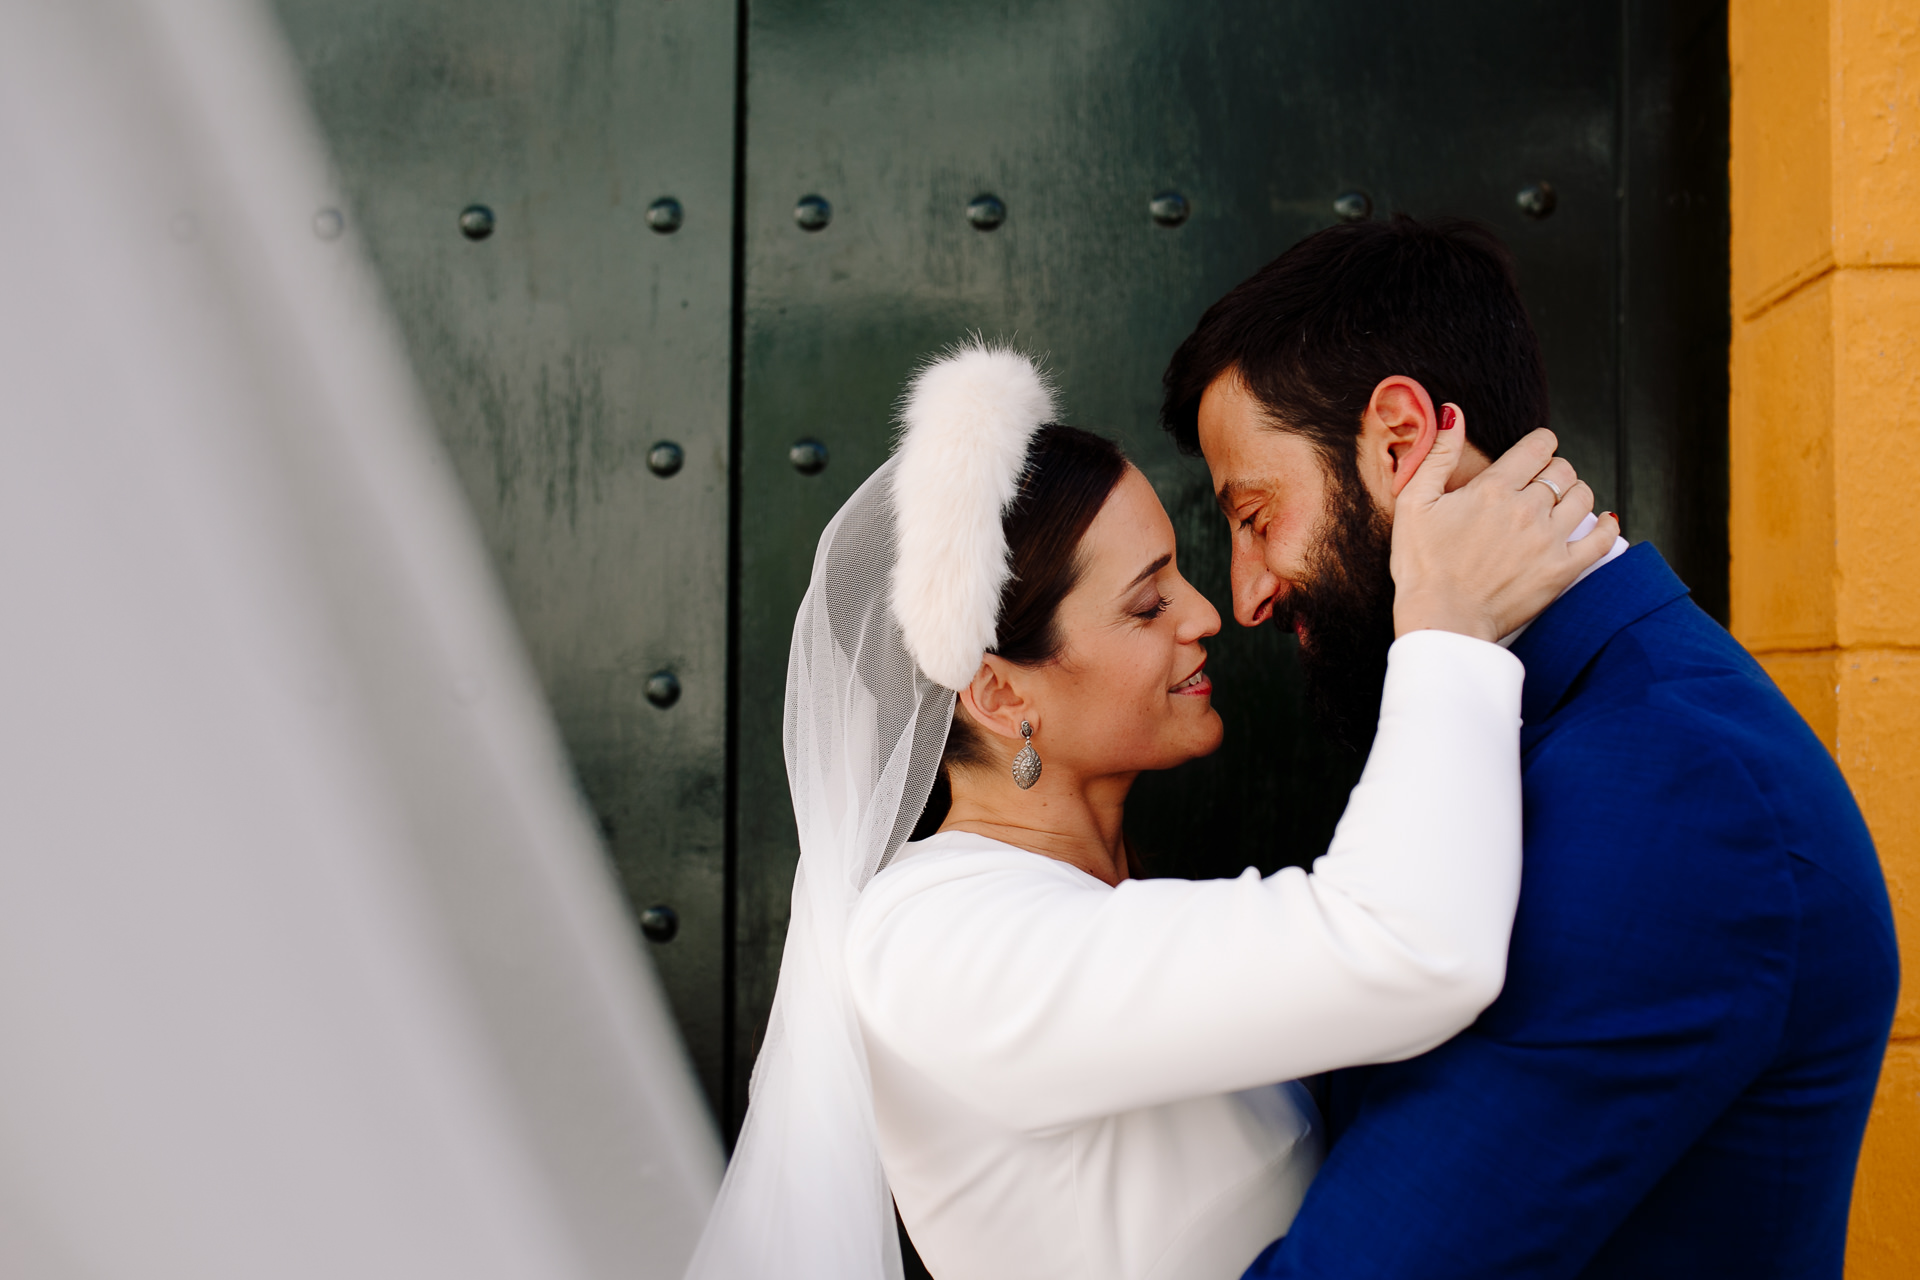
x=1679, y=642
x=1679, y=674
x=1694, y=736
x=1640, y=748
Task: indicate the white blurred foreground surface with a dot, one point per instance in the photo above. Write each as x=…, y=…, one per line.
x=309, y=966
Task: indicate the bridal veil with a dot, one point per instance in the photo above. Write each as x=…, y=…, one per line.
x=903, y=602
x=805, y=1196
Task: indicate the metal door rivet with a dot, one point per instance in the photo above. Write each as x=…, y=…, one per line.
x=986, y=212
x=809, y=457
x=1353, y=206
x=476, y=222
x=660, y=923
x=665, y=458
x=1169, y=208
x=665, y=215
x=1537, y=199
x=663, y=688
x=329, y=223
x=813, y=213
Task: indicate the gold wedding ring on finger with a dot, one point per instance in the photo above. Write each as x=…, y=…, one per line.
x=1558, y=492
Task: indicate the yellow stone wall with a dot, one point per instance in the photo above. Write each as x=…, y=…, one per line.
x=1825, y=415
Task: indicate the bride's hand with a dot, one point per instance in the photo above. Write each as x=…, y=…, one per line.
x=1491, y=555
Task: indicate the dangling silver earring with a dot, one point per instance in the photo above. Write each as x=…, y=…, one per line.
x=1026, y=765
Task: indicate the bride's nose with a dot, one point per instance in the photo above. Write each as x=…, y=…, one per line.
x=1201, y=620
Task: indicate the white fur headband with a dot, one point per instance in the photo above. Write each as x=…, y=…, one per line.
x=964, y=430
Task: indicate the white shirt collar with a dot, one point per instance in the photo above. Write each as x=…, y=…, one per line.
x=1585, y=527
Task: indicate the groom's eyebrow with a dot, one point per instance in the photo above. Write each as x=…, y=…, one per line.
x=1148, y=572
x=1228, y=496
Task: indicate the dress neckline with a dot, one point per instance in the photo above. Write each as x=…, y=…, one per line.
x=942, y=841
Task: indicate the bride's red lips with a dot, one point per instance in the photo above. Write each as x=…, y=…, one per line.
x=1203, y=686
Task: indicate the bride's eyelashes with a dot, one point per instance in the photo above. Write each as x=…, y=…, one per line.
x=1159, y=606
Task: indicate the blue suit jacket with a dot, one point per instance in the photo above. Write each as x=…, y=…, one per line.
x=1675, y=1080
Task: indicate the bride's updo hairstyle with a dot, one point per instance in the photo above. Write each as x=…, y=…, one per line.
x=1069, y=475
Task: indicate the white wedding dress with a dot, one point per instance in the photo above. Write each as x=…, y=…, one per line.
x=1077, y=1080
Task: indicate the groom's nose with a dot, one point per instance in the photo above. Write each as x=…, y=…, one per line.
x=1254, y=587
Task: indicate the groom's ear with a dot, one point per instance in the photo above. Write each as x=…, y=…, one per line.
x=994, y=700
x=1397, y=430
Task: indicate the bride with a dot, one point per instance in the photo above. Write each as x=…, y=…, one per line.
x=1051, y=1068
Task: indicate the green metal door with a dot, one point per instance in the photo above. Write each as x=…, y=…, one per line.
x=1267, y=122
x=505, y=158
x=859, y=184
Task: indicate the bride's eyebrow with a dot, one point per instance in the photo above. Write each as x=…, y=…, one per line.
x=1148, y=572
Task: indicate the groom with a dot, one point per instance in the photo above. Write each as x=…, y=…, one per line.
x=1702, y=974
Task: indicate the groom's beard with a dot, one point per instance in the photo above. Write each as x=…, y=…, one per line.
x=1343, y=611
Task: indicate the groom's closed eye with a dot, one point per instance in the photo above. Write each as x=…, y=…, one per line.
x=1230, y=497
x=1239, y=504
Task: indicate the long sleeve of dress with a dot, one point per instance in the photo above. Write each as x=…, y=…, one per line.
x=1042, y=997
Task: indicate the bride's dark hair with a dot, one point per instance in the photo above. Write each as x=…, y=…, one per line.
x=1070, y=474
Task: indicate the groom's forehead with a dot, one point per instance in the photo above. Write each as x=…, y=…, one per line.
x=1284, y=460
x=1239, y=433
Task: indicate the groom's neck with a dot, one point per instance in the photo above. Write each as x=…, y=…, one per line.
x=1472, y=463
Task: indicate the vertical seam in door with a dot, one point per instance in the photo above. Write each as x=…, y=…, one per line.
x=1623, y=135
x=730, y=821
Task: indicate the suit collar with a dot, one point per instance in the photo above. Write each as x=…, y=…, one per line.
x=1564, y=639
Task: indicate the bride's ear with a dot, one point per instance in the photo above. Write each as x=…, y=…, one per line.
x=994, y=699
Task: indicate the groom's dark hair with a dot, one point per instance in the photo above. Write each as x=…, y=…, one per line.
x=1314, y=331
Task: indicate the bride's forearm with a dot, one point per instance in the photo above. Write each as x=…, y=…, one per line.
x=1043, y=1001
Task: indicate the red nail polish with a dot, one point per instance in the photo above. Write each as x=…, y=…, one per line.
x=1449, y=417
